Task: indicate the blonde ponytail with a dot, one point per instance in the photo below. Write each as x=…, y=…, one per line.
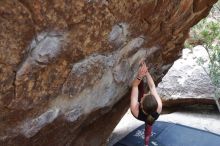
x=150, y=119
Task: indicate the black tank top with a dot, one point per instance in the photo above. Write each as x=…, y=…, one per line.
x=141, y=115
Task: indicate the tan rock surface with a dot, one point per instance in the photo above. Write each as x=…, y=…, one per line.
x=65, y=66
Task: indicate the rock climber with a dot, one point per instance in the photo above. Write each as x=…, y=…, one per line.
x=145, y=107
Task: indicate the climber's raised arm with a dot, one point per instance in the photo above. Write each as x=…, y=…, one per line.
x=134, y=105
x=153, y=91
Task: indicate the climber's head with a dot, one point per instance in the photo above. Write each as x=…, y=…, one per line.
x=149, y=104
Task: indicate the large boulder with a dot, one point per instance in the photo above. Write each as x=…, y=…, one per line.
x=66, y=65
x=187, y=82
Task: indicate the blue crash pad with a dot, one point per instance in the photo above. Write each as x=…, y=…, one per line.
x=171, y=134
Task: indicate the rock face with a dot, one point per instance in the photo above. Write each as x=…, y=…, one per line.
x=187, y=82
x=66, y=66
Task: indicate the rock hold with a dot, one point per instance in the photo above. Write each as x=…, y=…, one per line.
x=30, y=128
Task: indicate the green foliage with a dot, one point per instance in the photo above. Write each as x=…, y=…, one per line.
x=207, y=34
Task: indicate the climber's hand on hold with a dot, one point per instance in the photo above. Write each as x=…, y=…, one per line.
x=142, y=70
